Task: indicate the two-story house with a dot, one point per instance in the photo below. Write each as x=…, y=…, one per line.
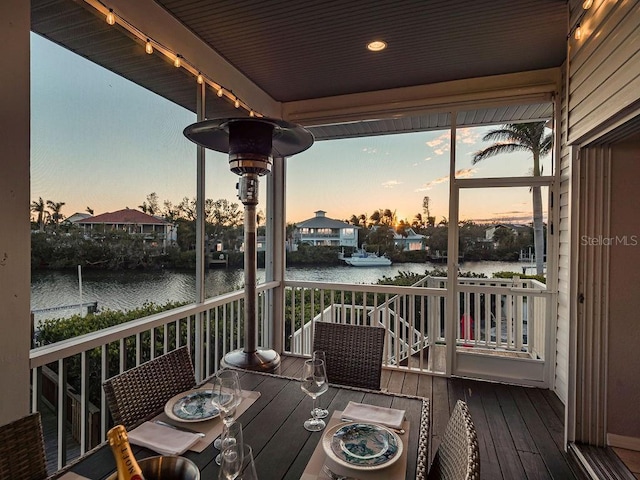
x=322, y=230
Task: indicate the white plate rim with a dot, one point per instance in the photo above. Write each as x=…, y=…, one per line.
x=168, y=407
x=330, y=432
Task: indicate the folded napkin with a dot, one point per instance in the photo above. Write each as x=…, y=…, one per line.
x=164, y=440
x=360, y=412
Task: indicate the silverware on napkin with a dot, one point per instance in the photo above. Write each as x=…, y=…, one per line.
x=182, y=429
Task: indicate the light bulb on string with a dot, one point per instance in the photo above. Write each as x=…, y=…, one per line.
x=251, y=114
x=111, y=18
x=148, y=47
x=200, y=79
x=237, y=103
x=220, y=92
x=177, y=62
x=587, y=4
x=578, y=33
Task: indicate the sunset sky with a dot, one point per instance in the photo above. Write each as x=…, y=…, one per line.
x=103, y=142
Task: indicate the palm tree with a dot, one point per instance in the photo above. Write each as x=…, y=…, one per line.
x=56, y=211
x=40, y=207
x=530, y=137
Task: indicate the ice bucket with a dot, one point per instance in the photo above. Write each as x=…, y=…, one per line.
x=166, y=467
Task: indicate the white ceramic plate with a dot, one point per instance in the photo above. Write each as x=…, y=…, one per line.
x=192, y=406
x=362, y=446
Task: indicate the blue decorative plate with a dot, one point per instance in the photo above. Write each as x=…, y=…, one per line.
x=363, y=446
x=193, y=406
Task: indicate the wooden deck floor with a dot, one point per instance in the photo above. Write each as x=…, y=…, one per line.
x=520, y=430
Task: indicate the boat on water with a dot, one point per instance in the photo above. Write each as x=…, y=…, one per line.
x=362, y=258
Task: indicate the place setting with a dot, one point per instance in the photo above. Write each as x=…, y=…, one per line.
x=194, y=419
x=361, y=442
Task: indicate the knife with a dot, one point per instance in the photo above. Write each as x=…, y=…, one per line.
x=182, y=429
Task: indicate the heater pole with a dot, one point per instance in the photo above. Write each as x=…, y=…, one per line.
x=250, y=266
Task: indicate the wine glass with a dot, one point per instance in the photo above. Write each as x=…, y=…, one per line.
x=314, y=383
x=237, y=463
x=319, y=411
x=226, y=397
x=231, y=434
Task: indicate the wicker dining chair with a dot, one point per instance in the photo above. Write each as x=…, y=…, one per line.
x=22, y=455
x=353, y=353
x=458, y=456
x=141, y=391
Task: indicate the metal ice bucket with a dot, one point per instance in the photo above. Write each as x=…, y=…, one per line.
x=166, y=467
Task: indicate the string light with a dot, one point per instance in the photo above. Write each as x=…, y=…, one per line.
x=578, y=33
x=111, y=18
x=587, y=4
x=179, y=61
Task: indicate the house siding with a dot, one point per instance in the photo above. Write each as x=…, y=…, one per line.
x=600, y=93
x=604, y=78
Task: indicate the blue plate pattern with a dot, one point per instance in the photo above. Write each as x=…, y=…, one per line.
x=192, y=407
x=362, y=446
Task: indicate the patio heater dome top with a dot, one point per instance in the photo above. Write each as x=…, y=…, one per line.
x=218, y=134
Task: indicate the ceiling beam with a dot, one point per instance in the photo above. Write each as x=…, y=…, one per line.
x=523, y=87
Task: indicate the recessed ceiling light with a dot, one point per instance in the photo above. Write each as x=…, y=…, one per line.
x=377, y=45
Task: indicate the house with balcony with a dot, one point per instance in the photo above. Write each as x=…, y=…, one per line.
x=572, y=64
x=322, y=230
x=152, y=228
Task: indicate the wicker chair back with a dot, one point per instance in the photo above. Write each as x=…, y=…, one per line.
x=458, y=456
x=353, y=353
x=22, y=455
x=134, y=395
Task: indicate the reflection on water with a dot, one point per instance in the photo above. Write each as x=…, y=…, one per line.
x=123, y=290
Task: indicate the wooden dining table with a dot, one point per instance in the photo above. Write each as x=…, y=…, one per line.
x=273, y=426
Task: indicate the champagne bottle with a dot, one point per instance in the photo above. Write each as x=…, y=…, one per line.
x=128, y=468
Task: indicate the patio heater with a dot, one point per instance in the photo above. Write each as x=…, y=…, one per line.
x=251, y=143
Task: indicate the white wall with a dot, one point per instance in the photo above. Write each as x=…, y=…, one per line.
x=15, y=326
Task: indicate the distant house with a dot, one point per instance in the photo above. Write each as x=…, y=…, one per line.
x=412, y=241
x=517, y=229
x=132, y=221
x=322, y=230
x=76, y=217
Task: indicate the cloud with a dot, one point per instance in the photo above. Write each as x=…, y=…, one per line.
x=465, y=172
x=462, y=173
x=370, y=150
x=427, y=159
x=391, y=183
x=467, y=135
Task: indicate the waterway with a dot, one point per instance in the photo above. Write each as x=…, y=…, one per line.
x=123, y=290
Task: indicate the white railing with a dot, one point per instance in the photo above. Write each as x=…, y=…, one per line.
x=496, y=316
x=83, y=363
x=412, y=316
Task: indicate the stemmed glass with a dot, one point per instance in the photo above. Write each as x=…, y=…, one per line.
x=226, y=397
x=237, y=463
x=319, y=411
x=314, y=383
x=231, y=435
